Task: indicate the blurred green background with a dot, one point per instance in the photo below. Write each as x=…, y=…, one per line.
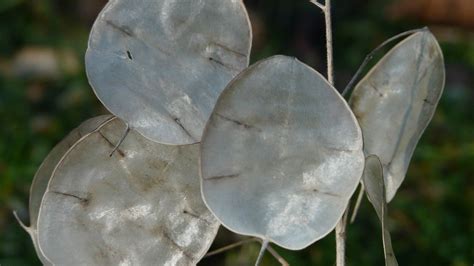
x=44, y=93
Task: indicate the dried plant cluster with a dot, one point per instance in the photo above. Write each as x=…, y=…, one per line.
x=198, y=139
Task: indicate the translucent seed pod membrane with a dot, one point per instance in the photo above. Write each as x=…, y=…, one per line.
x=375, y=190
x=395, y=102
x=44, y=172
x=281, y=154
x=43, y=175
x=140, y=206
x=161, y=64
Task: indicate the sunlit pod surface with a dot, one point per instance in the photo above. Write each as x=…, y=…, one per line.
x=281, y=154
x=395, y=102
x=161, y=64
x=44, y=172
x=140, y=206
x=375, y=190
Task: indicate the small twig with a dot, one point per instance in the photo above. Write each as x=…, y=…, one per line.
x=329, y=47
x=358, y=202
x=127, y=129
x=26, y=228
x=341, y=225
x=262, y=252
x=321, y=6
x=277, y=256
x=341, y=240
x=231, y=246
x=326, y=8
x=272, y=251
x=370, y=56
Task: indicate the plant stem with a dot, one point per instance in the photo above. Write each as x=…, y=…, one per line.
x=358, y=202
x=26, y=228
x=262, y=252
x=272, y=251
x=341, y=225
x=231, y=246
x=125, y=133
x=277, y=256
x=326, y=8
x=341, y=240
x=329, y=47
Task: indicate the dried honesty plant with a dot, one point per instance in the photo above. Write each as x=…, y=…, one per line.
x=45, y=171
x=375, y=188
x=141, y=205
x=161, y=64
x=200, y=139
x=280, y=162
x=396, y=100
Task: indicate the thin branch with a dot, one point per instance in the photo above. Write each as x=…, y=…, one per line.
x=370, y=56
x=326, y=8
x=341, y=225
x=321, y=6
x=341, y=240
x=262, y=252
x=231, y=246
x=272, y=251
x=277, y=256
x=26, y=228
x=329, y=47
x=358, y=202
x=127, y=130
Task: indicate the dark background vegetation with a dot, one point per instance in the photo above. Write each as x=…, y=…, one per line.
x=44, y=93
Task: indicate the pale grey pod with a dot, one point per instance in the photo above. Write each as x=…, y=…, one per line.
x=281, y=154
x=161, y=64
x=395, y=102
x=140, y=206
x=44, y=172
x=375, y=190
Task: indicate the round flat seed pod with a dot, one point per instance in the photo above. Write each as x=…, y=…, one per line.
x=374, y=187
x=281, y=154
x=140, y=206
x=161, y=64
x=44, y=172
x=395, y=102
